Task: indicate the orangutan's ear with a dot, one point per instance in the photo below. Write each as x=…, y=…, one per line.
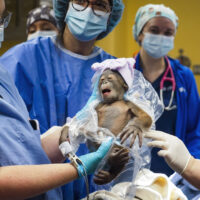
x=125, y=86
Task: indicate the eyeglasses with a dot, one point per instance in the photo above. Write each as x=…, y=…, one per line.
x=99, y=7
x=5, y=19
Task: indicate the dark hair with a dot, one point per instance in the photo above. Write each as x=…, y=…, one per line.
x=120, y=76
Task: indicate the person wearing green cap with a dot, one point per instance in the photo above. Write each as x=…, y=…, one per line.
x=154, y=29
x=53, y=74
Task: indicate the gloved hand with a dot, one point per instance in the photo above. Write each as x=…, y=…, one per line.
x=172, y=150
x=91, y=160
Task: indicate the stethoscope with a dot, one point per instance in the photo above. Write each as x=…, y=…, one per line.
x=168, y=76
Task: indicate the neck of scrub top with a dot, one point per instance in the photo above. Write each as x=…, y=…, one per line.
x=152, y=68
x=77, y=46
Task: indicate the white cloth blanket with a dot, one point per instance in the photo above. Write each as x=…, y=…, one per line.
x=148, y=186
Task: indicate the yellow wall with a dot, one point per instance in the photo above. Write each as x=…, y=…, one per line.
x=7, y=45
x=120, y=42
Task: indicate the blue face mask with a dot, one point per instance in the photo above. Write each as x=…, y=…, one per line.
x=41, y=34
x=85, y=25
x=157, y=46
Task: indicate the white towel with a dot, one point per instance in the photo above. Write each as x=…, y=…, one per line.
x=148, y=186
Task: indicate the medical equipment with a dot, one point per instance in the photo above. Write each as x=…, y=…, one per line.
x=157, y=46
x=165, y=77
x=168, y=71
x=67, y=151
x=85, y=164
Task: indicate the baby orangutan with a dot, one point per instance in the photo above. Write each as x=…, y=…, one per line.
x=114, y=113
x=120, y=117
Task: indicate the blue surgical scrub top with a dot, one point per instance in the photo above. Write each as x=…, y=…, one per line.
x=166, y=122
x=184, y=121
x=19, y=143
x=55, y=84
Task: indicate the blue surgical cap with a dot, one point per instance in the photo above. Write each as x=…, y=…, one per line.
x=61, y=6
x=149, y=11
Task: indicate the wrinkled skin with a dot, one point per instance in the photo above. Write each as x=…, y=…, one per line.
x=117, y=159
x=120, y=116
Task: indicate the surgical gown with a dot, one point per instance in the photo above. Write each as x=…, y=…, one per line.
x=55, y=84
x=19, y=144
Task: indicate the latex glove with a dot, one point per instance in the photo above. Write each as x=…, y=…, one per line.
x=172, y=150
x=91, y=160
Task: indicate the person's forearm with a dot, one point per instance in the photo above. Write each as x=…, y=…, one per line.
x=50, y=144
x=192, y=172
x=16, y=182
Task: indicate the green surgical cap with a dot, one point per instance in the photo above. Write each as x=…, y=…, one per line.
x=149, y=11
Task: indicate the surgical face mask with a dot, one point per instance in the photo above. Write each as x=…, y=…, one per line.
x=1, y=35
x=85, y=25
x=157, y=46
x=41, y=34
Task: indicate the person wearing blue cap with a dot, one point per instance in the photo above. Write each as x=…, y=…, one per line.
x=53, y=74
x=154, y=29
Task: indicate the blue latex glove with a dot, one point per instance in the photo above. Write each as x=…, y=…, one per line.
x=91, y=160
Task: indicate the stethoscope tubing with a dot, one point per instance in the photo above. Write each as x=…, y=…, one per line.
x=170, y=78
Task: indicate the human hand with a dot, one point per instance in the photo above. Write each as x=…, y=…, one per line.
x=134, y=131
x=172, y=150
x=91, y=160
